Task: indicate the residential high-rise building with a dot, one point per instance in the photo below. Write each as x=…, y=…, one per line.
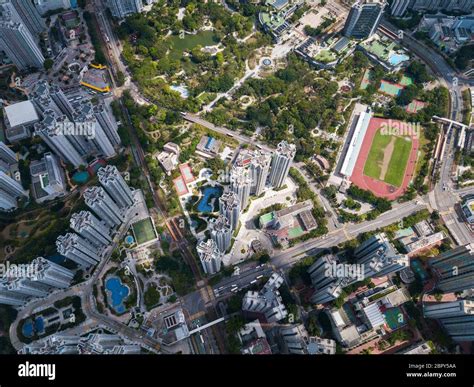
x=399, y=7
x=379, y=257
x=107, y=123
x=103, y=206
x=23, y=11
x=210, y=256
x=11, y=186
x=91, y=228
x=77, y=249
x=61, y=101
x=439, y=5
x=19, y=45
x=241, y=184
x=259, y=169
x=98, y=136
x=7, y=297
x=221, y=233
x=281, y=163
x=52, y=274
x=268, y=302
x=65, y=146
x=364, y=18
x=457, y=318
x=455, y=269
x=229, y=206
x=297, y=341
x=55, y=176
x=7, y=155
x=124, y=8
x=7, y=201
x=115, y=185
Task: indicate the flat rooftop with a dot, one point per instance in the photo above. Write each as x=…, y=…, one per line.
x=21, y=113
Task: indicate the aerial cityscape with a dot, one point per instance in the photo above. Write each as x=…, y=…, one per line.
x=253, y=177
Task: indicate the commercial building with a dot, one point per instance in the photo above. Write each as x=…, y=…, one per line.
x=440, y=5
x=91, y=228
x=210, y=256
x=457, y=318
x=19, y=119
x=455, y=269
x=103, y=206
x=113, y=182
x=221, y=232
x=281, y=163
x=47, y=178
x=229, y=206
x=77, y=249
x=267, y=303
x=363, y=19
x=123, y=8
x=241, y=184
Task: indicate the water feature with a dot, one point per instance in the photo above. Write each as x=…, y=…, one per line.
x=209, y=195
x=396, y=59
x=118, y=292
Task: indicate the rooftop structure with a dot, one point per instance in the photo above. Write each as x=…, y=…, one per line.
x=210, y=256
x=208, y=147
x=47, y=178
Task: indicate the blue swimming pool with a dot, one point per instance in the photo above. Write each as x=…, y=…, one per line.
x=118, y=292
x=80, y=177
x=206, y=203
x=396, y=59
x=27, y=328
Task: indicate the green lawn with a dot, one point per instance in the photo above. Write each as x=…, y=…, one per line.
x=179, y=45
x=398, y=161
x=144, y=231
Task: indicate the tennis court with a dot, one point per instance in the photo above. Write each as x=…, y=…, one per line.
x=144, y=231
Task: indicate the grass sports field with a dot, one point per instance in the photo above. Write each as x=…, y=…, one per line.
x=144, y=231
x=388, y=158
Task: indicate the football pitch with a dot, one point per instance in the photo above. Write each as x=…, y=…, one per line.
x=144, y=231
x=388, y=157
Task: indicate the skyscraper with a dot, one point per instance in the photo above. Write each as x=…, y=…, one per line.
x=210, y=256
x=7, y=201
x=221, y=233
x=115, y=185
x=229, y=206
x=281, y=163
x=77, y=249
x=61, y=101
x=107, y=123
x=52, y=274
x=103, y=206
x=23, y=11
x=259, y=169
x=399, y=7
x=457, y=317
x=7, y=297
x=98, y=136
x=124, y=8
x=91, y=228
x=65, y=146
x=363, y=19
x=19, y=45
x=11, y=186
x=455, y=269
x=7, y=155
x=379, y=257
x=241, y=184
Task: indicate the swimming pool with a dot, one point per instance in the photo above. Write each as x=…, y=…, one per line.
x=396, y=59
x=206, y=202
x=118, y=292
x=27, y=328
x=80, y=177
x=129, y=240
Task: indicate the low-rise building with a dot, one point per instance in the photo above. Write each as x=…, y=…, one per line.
x=19, y=120
x=208, y=147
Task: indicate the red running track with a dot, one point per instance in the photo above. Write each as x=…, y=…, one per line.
x=377, y=187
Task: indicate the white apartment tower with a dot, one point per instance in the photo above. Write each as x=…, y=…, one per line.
x=229, y=206
x=241, y=184
x=281, y=163
x=77, y=249
x=91, y=228
x=210, y=256
x=103, y=206
x=221, y=232
x=113, y=182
